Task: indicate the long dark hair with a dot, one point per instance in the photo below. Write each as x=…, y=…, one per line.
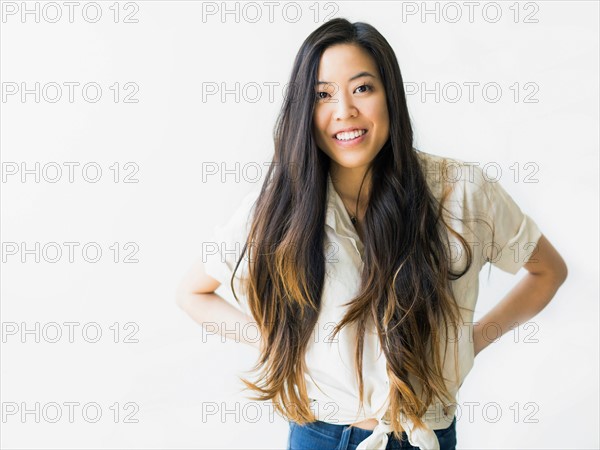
x=405, y=283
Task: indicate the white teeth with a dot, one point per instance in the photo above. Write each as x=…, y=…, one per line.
x=346, y=136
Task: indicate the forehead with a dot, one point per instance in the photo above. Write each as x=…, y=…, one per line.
x=341, y=61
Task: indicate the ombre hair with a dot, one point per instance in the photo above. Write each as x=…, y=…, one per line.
x=405, y=283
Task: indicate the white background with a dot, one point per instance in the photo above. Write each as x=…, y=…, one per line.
x=171, y=374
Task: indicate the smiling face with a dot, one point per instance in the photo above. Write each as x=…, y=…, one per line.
x=351, y=97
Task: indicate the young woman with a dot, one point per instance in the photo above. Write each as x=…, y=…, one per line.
x=361, y=257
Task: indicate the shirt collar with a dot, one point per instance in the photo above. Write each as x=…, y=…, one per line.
x=331, y=218
x=338, y=218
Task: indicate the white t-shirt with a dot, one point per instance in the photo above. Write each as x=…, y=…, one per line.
x=331, y=381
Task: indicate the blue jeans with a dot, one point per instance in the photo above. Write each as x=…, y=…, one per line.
x=327, y=436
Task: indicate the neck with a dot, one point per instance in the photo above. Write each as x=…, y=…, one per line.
x=347, y=183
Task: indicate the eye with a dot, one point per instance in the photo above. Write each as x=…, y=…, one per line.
x=366, y=85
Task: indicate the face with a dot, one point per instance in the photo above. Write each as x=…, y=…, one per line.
x=352, y=97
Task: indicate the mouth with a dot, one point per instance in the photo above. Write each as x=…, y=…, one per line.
x=350, y=136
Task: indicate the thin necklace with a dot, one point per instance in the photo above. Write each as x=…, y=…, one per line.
x=353, y=219
x=352, y=216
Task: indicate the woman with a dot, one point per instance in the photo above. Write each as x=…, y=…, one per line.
x=361, y=256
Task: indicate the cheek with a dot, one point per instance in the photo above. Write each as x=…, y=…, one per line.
x=384, y=127
x=382, y=120
x=376, y=111
x=320, y=120
x=320, y=127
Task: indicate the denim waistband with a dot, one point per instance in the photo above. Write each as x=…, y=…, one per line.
x=357, y=435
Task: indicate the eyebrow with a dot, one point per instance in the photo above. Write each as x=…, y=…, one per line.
x=358, y=75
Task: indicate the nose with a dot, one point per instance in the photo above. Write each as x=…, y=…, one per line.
x=345, y=107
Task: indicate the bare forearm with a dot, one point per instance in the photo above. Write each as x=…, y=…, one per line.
x=218, y=316
x=526, y=299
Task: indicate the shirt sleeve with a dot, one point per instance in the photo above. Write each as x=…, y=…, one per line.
x=514, y=234
x=224, y=247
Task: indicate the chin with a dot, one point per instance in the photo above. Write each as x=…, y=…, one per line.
x=352, y=163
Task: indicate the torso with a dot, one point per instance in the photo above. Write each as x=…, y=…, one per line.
x=367, y=424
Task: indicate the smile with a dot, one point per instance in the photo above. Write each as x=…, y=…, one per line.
x=349, y=136
x=351, y=139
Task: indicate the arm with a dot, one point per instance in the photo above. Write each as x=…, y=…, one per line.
x=195, y=295
x=547, y=271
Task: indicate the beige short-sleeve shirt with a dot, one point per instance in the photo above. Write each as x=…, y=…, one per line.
x=331, y=382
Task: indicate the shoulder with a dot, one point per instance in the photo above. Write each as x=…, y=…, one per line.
x=465, y=178
x=237, y=223
x=246, y=208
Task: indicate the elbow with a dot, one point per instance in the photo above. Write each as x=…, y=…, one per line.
x=563, y=272
x=181, y=298
x=559, y=273
x=179, y=301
